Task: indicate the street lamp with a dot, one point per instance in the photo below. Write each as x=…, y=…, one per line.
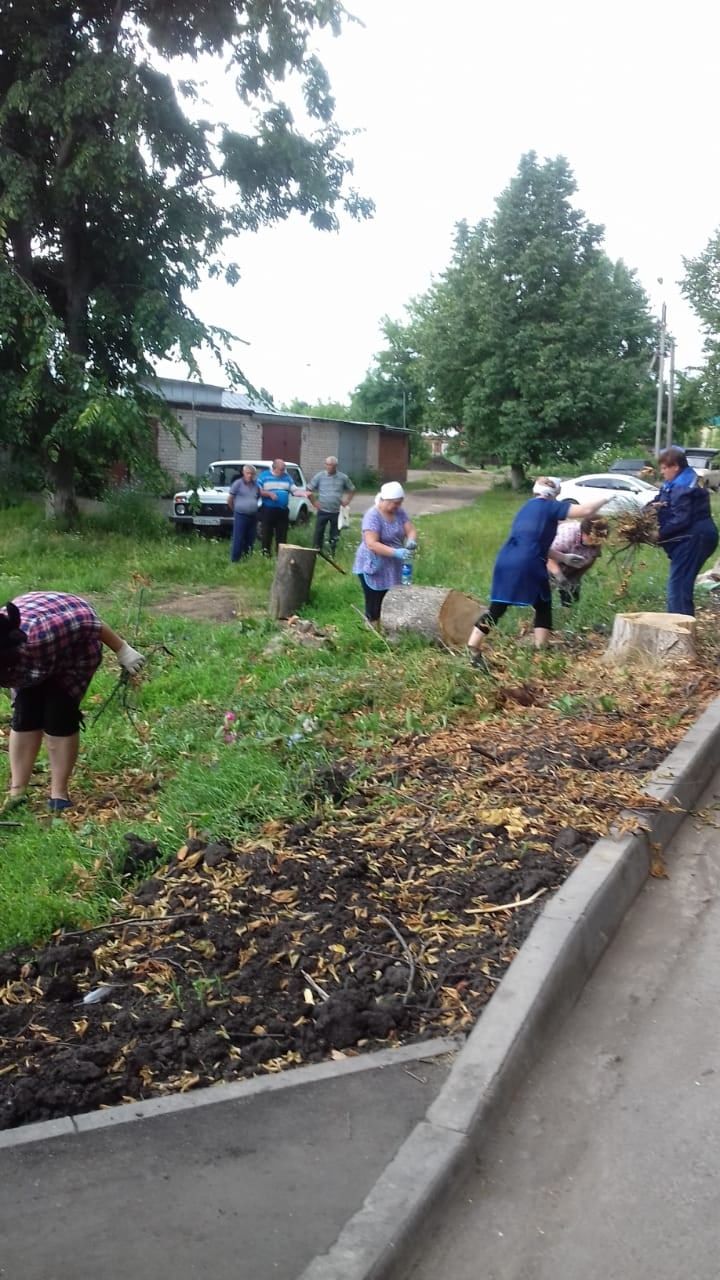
x=660, y=379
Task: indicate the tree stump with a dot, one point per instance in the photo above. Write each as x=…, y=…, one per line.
x=657, y=637
x=293, y=577
x=436, y=613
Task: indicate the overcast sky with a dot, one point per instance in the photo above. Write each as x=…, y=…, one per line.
x=448, y=96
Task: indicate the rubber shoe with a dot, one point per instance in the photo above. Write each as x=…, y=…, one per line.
x=59, y=805
x=477, y=661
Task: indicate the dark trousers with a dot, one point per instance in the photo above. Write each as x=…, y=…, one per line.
x=243, y=535
x=324, y=519
x=492, y=615
x=687, y=557
x=373, y=600
x=570, y=591
x=274, y=523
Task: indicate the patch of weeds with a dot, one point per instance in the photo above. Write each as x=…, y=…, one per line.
x=569, y=704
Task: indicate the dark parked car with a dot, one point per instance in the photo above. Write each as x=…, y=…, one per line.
x=631, y=466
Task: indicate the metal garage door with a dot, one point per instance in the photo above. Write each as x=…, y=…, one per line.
x=281, y=440
x=352, y=451
x=217, y=438
x=394, y=452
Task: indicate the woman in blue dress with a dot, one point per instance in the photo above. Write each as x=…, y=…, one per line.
x=520, y=576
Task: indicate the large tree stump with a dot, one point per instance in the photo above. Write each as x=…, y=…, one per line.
x=657, y=637
x=293, y=576
x=436, y=613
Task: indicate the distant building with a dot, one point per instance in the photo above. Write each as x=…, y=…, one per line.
x=440, y=441
x=224, y=424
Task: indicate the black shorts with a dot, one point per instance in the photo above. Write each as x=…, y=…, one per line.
x=46, y=707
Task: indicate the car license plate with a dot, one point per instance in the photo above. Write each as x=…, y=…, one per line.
x=207, y=519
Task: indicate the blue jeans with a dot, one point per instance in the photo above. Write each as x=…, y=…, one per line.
x=243, y=535
x=687, y=557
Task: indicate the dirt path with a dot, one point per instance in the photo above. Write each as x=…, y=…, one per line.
x=445, y=492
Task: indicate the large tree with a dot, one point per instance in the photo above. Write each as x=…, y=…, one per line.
x=533, y=340
x=393, y=389
x=702, y=288
x=116, y=196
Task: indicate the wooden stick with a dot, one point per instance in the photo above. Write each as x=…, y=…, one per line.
x=408, y=956
x=509, y=906
x=117, y=924
x=315, y=986
x=370, y=627
x=330, y=560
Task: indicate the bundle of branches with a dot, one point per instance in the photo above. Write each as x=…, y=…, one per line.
x=637, y=527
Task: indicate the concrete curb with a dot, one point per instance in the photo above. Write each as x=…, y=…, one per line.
x=538, y=989
x=152, y=1108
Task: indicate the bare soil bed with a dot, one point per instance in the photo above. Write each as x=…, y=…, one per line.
x=217, y=604
x=388, y=916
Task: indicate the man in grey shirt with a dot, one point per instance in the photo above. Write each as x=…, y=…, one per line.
x=329, y=491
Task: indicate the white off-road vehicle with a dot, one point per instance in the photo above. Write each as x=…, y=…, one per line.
x=206, y=507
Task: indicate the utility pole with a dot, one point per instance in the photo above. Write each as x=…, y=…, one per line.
x=661, y=381
x=671, y=396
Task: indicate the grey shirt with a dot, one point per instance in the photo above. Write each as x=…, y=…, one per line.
x=330, y=489
x=245, y=496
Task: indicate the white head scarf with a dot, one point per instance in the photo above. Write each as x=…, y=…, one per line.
x=546, y=487
x=390, y=492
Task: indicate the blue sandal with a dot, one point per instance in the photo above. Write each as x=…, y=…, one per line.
x=59, y=805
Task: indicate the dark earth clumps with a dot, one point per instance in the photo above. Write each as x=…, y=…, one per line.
x=390, y=915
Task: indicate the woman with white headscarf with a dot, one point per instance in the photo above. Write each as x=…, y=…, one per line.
x=389, y=538
x=520, y=576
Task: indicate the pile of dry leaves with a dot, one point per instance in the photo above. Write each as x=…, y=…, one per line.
x=389, y=916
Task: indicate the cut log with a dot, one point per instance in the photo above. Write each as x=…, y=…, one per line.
x=293, y=576
x=657, y=637
x=436, y=613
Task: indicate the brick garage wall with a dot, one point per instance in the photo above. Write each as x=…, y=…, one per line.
x=177, y=457
x=251, y=436
x=317, y=443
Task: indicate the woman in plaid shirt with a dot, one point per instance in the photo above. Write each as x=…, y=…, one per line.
x=575, y=549
x=50, y=648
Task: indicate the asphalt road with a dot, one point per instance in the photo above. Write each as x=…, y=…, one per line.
x=607, y=1165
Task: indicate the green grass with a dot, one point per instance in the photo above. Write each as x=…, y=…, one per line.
x=170, y=770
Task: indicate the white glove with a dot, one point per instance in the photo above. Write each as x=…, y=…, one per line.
x=130, y=659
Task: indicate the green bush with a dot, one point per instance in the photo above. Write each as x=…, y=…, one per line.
x=131, y=510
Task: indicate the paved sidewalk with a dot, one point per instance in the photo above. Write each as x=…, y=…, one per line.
x=243, y=1190
x=607, y=1167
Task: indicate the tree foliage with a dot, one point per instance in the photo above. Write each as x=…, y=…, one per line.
x=393, y=390
x=333, y=409
x=115, y=197
x=532, y=340
x=701, y=287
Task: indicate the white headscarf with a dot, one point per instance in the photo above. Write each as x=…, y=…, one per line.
x=546, y=487
x=390, y=492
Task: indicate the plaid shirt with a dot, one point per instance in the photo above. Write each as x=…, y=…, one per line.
x=63, y=641
x=568, y=541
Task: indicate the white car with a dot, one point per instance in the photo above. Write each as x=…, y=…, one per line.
x=208, y=508
x=619, y=491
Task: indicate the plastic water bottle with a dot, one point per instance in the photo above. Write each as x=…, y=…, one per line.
x=406, y=573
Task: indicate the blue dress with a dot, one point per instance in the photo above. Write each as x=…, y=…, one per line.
x=520, y=574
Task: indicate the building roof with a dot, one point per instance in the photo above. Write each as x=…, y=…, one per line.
x=184, y=394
